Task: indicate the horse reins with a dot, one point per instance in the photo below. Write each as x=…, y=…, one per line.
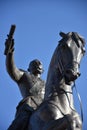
x=80, y=101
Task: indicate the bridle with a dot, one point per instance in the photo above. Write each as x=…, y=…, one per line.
x=76, y=38
x=62, y=67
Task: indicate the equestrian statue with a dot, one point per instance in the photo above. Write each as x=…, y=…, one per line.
x=57, y=110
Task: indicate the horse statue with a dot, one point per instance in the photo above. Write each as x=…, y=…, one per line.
x=57, y=112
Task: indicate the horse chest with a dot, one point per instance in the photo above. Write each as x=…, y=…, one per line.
x=65, y=104
x=61, y=104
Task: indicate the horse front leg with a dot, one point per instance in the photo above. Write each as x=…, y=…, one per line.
x=76, y=121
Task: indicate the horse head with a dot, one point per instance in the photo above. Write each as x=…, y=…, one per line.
x=71, y=50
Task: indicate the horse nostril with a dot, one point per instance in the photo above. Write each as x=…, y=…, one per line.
x=71, y=75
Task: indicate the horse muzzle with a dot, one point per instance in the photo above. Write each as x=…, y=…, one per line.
x=71, y=75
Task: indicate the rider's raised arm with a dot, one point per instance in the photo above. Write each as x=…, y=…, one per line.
x=12, y=70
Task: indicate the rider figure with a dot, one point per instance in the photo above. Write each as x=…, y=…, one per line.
x=31, y=87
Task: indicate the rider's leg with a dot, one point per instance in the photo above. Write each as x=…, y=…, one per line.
x=21, y=119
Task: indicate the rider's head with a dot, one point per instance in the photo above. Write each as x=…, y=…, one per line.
x=35, y=67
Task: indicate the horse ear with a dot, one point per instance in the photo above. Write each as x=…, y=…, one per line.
x=62, y=34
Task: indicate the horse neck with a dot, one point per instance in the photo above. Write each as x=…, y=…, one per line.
x=58, y=92
x=55, y=80
x=56, y=83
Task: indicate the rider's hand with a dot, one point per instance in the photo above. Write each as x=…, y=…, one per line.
x=9, y=46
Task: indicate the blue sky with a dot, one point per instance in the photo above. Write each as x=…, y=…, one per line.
x=38, y=23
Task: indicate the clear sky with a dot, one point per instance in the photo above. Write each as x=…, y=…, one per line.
x=38, y=23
